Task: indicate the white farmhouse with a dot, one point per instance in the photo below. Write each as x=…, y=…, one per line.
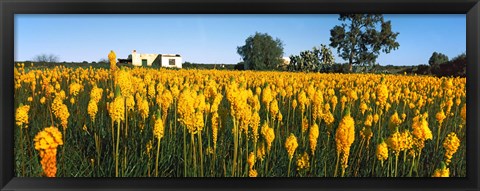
x=163, y=60
x=286, y=60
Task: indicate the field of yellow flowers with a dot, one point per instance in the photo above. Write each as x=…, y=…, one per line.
x=145, y=122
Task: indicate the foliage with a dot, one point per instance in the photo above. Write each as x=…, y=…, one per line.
x=457, y=66
x=318, y=60
x=48, y=58
x=359, y=40
x=261, y=52
x=437, y=58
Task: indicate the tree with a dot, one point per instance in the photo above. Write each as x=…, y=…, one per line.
x=437, y=58
x=326, y=58
x=261, y=52
x=46, y=58
x=358, y=40
x=103, y=60
x=312, y=60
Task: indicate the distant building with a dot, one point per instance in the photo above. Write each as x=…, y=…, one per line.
x=286, y=60
x=163, y=60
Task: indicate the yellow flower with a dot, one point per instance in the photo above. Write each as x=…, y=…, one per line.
x=376, y=118
x=382, y=151
x=440, y=117
x=291, y=145
x=463, y=112
x=158, y=129
x=269, y=135
x=252, y=173
x=363, y=107
x=42, y=100
x=261, y=152
x=142, y=107
x=186, y=110
x=251, y=160
x=443, y=171
x=406, y=140
x=215, y=119
x=21, y=115
x=368, y=121
x=395, y=119
x=451, y=145
x=328, y=118
x=420, y=129
x=149, y=147
x=394, y=142
x=74, y=88
x=46, y=142
x=345, y=134
x=382, y=94
x=130, y=103
x=313, y=138
x=167, y=100
x=294, y=104
x=267, y=96
x=117, y=109
x=60, y=110
x=274, y=108
x=302, y=100
x=304, y=125
x=303, y=162
x=112, y=57
x=344, y=137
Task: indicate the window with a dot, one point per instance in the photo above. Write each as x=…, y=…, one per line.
x=171, y=62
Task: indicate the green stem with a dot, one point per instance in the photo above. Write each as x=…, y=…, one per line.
x=116, y=151
x=194, y=157
x=396, y=164
x=21, y=151
x=411, y=168
x=289, y=164
x=185, y=150
x=201, y=152
x=158, y=156
x=336, y=165
x=235, y=145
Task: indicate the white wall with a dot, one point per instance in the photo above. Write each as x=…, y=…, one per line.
x=166, y=62
x=137, y=58
x=136, y=61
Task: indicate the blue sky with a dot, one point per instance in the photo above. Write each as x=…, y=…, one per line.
x=214, y=38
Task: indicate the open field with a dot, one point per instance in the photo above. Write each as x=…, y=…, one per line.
x=142, y=122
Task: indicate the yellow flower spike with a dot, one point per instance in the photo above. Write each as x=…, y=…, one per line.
x=21, y=115
x=451, y=145
x=303, y=162
x=443, y=171
x=344, y=137
x=46, y=142
x=382, y=151
x=269, y=135
x=313, y=138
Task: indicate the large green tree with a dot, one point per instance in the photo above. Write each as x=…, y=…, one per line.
x=261, y=52
x=437, y=58
x=361, y=38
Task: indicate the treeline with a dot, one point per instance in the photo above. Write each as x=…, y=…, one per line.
x=439, y=65
x=359, y=40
